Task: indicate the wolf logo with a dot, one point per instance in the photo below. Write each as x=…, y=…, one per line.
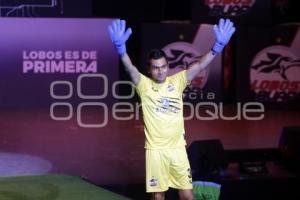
x=276, y=63
x=181, y=59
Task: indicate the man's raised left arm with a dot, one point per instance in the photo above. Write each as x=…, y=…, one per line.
x=223, y=32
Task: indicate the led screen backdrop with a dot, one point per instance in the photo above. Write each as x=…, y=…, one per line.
x=268, y=65
x=183, y=45
x=56, y=80
x=45, y=60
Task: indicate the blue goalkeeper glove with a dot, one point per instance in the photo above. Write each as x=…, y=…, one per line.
x=118, y=35
x=223, y=32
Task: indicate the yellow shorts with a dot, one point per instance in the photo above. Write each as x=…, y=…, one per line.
x=167, y=168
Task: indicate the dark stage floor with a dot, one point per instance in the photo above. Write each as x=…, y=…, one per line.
x=114, y=154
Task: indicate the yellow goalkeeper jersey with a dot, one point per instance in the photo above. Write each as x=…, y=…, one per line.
x=162, y=108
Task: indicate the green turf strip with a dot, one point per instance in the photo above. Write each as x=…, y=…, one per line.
x=52, y=187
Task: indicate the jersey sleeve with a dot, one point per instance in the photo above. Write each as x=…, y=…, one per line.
x=180, y=79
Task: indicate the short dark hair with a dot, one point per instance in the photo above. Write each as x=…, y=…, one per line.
x=155, y=54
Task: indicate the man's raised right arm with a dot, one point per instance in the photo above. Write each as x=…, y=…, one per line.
x=119, y=37
x=131, y=69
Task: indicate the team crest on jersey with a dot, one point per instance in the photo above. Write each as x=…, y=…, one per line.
x=165, y=102
x=153, y=182
x=170, y=88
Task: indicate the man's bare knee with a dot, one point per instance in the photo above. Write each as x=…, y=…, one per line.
x=158, y=196
x=186, y=195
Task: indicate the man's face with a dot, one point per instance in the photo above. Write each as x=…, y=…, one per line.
x=159, y=69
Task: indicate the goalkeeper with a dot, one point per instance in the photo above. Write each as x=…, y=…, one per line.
x=167, y=164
